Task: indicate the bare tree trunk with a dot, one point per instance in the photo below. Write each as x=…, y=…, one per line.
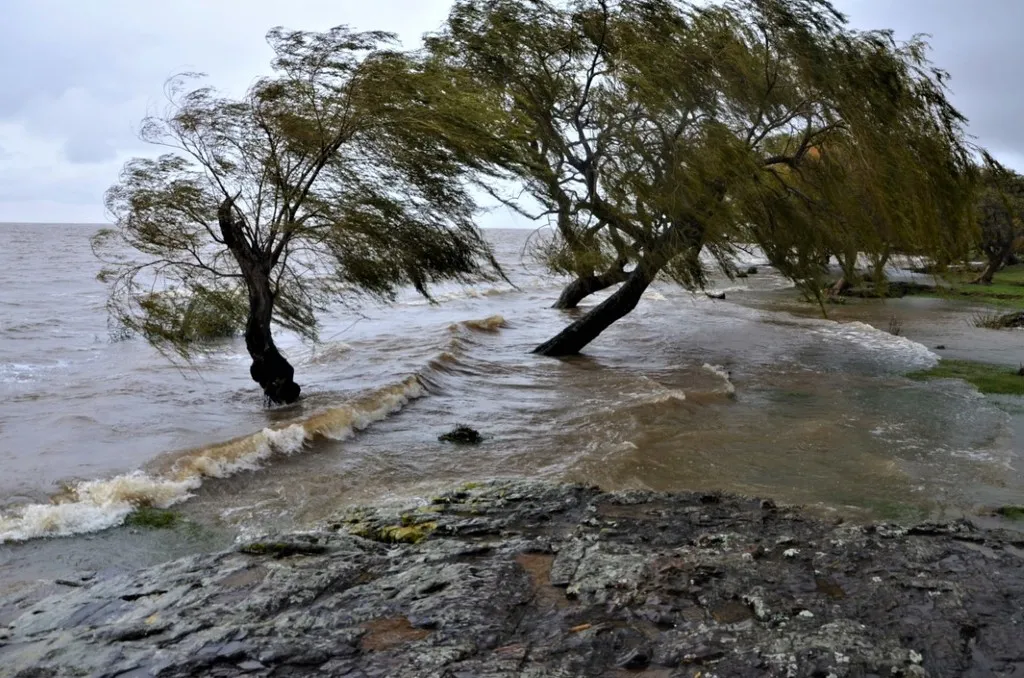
x=584, y=286
x=269, y=368
x=839, y=287
x=573, y=338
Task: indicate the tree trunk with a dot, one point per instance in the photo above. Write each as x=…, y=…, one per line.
x=269, y=368
x=840, y=287
x=583, y=287
x=996, y=260
x=573, y=338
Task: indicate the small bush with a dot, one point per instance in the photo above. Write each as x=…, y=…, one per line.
x=998, y=321
x=895, y=326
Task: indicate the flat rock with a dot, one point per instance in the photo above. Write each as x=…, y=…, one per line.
x=530, y=579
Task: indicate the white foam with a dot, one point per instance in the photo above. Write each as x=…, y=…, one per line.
x=101, y=504
x=667, y=395
x=871, y=337
x=94, y=505
x=719, y=371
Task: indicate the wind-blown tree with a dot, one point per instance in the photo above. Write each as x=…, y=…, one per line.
x=654, y=126
x=540, y=69
x=1000, y=207
x=318, y=185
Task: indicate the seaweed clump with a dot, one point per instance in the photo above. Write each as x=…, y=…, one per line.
x=461, y=435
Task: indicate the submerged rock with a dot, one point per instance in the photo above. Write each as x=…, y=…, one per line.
x=463, y=435
x=529, y=579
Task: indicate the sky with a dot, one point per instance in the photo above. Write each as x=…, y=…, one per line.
x=76, y=77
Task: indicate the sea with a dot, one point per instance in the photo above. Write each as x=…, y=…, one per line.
x=755, y=393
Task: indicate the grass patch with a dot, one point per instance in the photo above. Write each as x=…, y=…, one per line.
x=1011, y=512
x=152, y=518
x=1006, y=290
x=986, y=377
x=896, y=511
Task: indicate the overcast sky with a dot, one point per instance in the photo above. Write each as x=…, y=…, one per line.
x=76, y=76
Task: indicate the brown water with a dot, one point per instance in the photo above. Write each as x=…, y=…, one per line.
x=814, y=411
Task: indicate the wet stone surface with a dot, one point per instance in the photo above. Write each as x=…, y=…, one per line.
x=520, y=579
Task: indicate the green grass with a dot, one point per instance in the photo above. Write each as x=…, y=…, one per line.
x=1006, y=290
x=1011, y=512
x=152, y=518
x=986, y=377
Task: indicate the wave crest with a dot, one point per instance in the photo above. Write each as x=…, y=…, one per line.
x=94, y=505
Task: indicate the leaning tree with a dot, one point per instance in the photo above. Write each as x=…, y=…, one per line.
x=1000, y=211
x=321, y=183
x=658, y=131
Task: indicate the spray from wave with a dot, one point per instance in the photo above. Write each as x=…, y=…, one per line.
x=728, y=388
x=96, y=505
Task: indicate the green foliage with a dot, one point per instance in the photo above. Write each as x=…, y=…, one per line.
x=648, y=132
x=986, y=377
x=329, y=183
x=1000, y=213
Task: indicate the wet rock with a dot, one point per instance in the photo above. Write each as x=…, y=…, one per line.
x=521, y=579
x=462, y=435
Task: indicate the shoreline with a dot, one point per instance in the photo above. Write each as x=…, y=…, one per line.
x=528, y=579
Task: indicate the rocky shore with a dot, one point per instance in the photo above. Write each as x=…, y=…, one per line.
x=524, y=579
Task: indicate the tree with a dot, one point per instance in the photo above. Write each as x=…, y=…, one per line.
x=659, y=130
x=319, y=184
x=1000, y=207
x=539, y=68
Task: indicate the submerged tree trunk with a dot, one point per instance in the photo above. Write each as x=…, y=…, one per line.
x=573, y=338
x=583, y=287
x=269, y=368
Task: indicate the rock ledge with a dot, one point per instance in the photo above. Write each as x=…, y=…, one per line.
x=530, y=579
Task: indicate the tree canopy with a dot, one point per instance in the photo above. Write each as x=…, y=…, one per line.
x=654, y=131
x=321, y=183
x=1000, y=214
x=654, y=135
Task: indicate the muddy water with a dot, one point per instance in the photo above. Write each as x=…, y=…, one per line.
x=751, y=394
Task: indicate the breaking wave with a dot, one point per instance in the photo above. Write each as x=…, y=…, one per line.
x=870, y=337
x=728, y=387
x=95, y=505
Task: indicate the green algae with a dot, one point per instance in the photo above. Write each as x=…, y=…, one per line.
x=152, y=518
x=408, y=532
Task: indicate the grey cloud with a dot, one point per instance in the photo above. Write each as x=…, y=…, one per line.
x=78, y=76
x=86, y=150
x=978, y=44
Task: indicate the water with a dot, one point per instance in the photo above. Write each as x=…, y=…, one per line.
x=751, y=394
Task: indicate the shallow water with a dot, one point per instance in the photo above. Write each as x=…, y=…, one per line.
x=821, y=412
